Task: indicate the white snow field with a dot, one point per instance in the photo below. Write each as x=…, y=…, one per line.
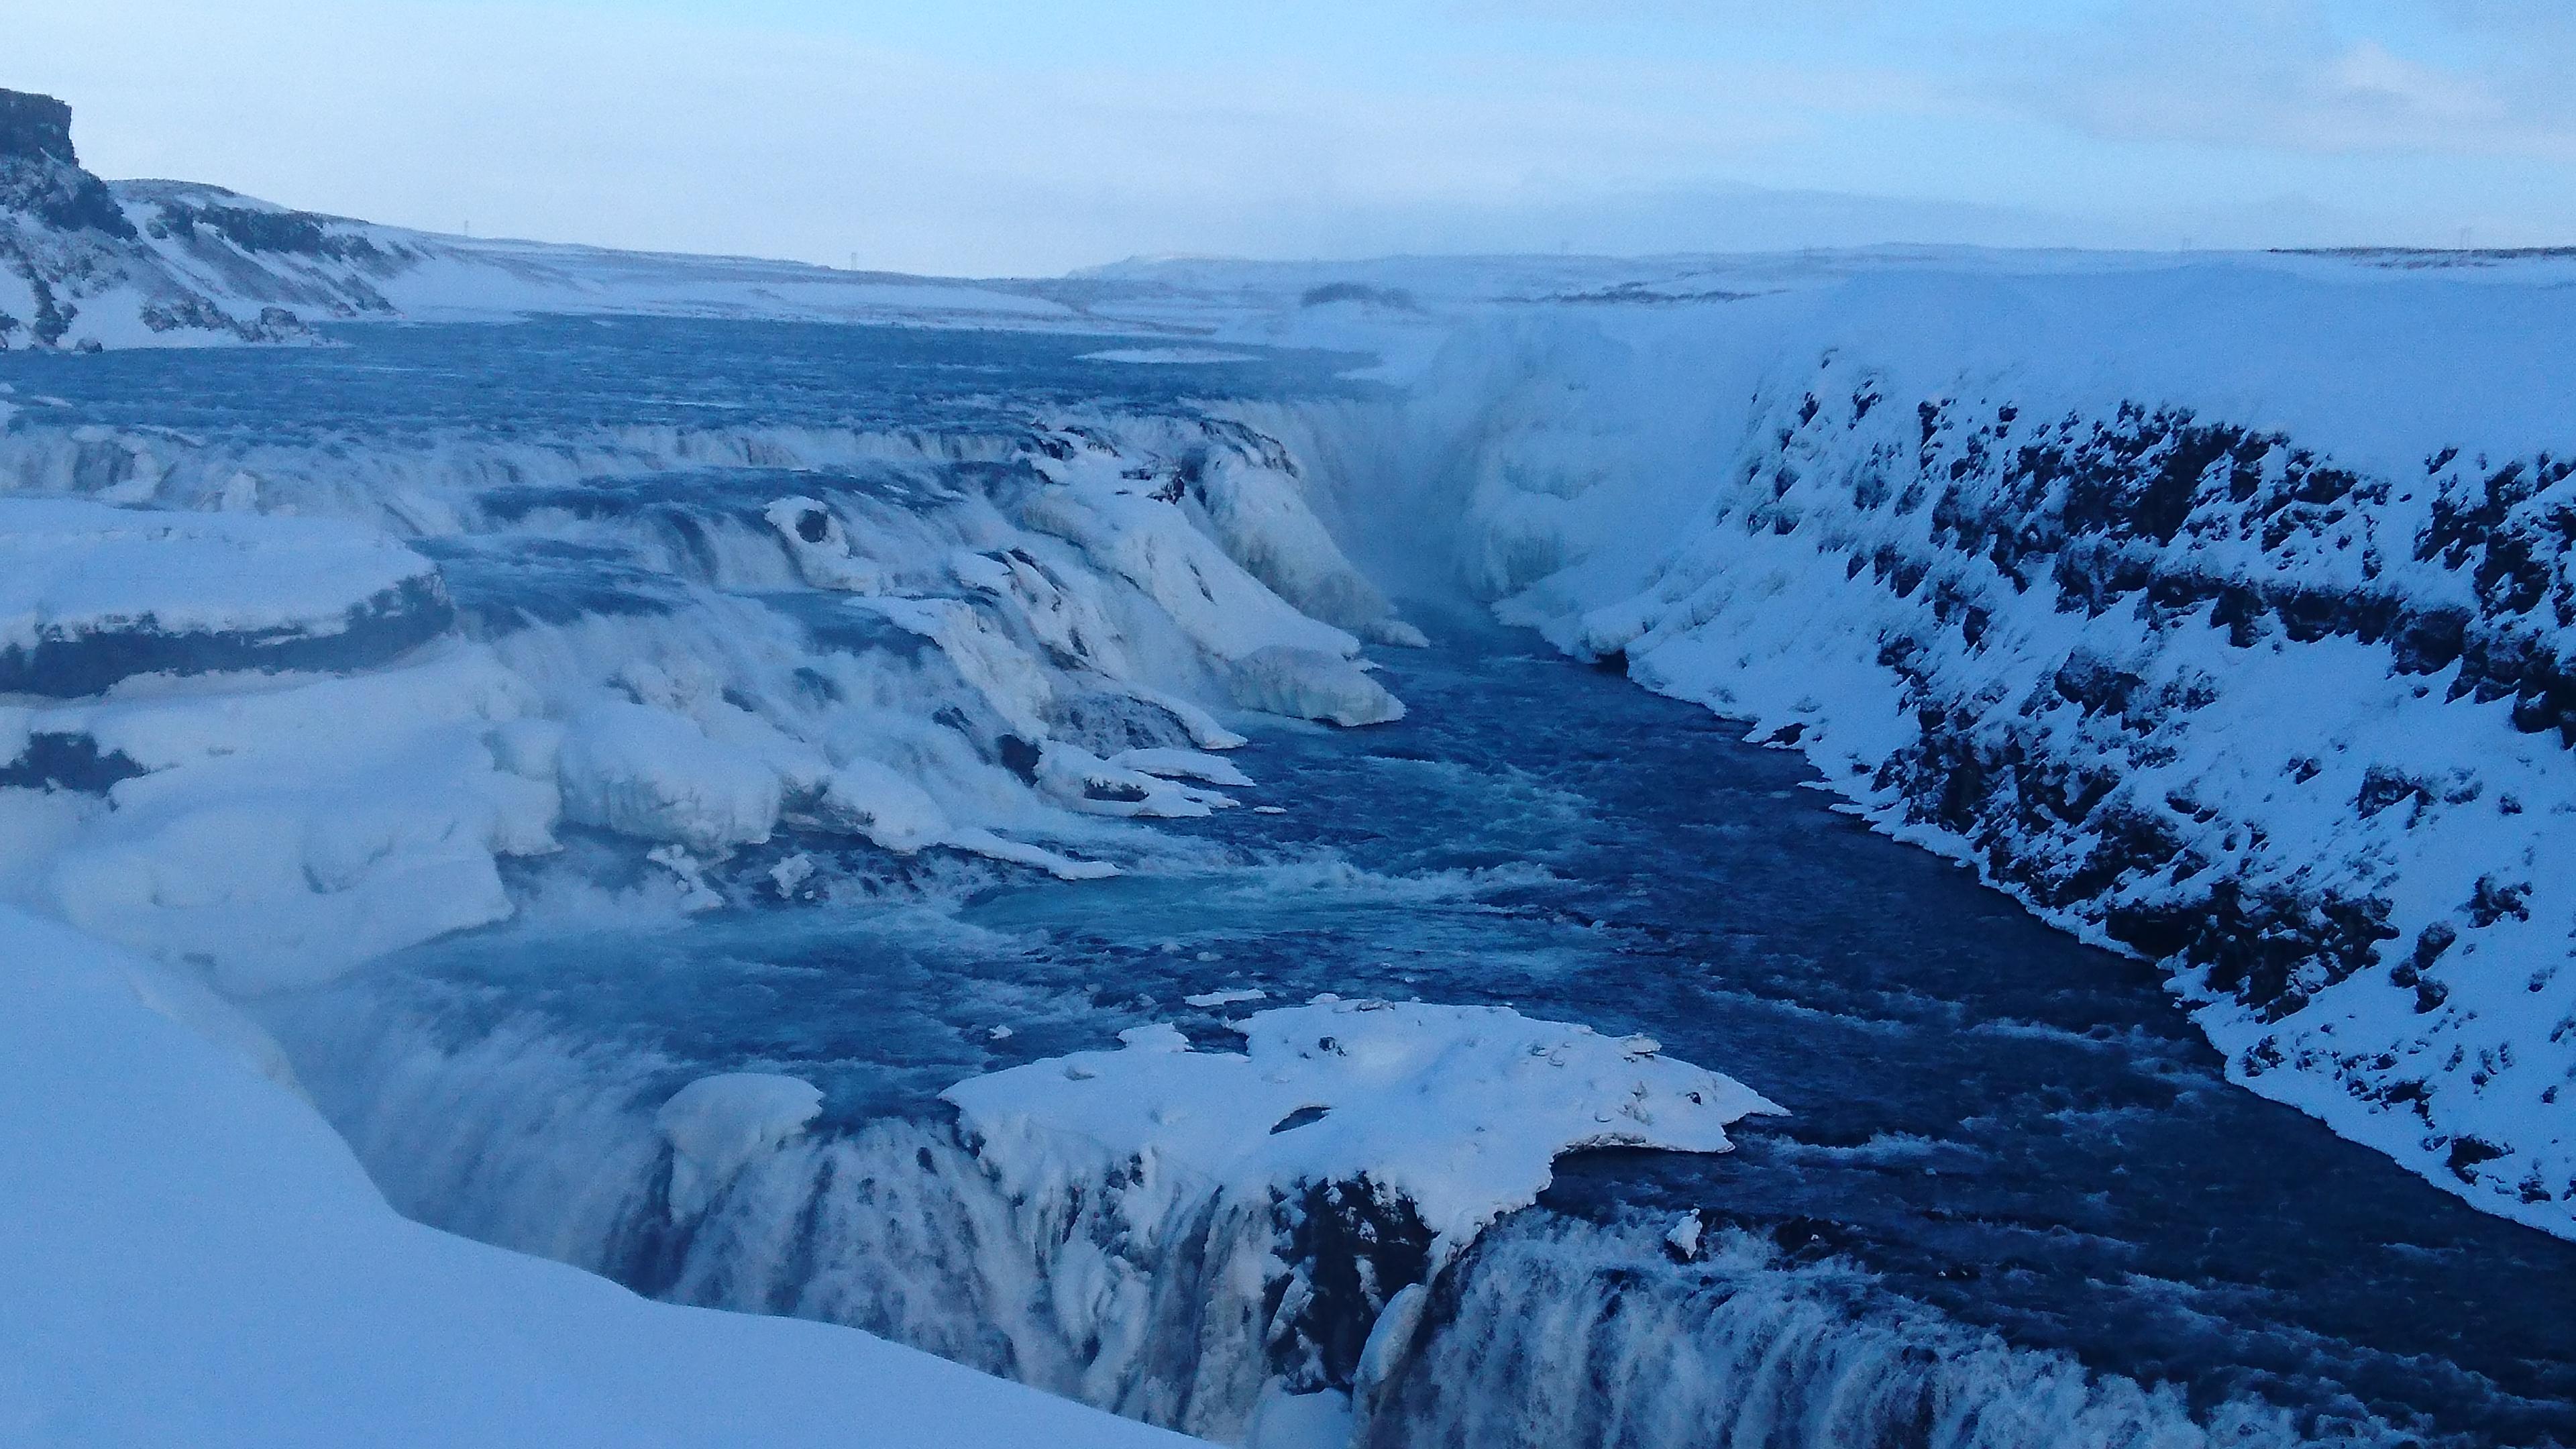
x=194, y=1258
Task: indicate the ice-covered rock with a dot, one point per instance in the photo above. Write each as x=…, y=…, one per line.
x=888, y=809
x=717, y=1124
x=91, y=594
x=1460, y=1111
x=654, y=774
x=285, y=829
x=1089, y=783
x=1174, y=764
x=821, y=546
x=1311, y=684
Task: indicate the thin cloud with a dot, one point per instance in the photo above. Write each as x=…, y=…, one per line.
x=2281, y=76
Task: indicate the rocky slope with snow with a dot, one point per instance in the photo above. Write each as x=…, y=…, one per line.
x=2221, y=612
x=87, y=263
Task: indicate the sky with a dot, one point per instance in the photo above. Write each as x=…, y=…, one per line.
x=1024, y=138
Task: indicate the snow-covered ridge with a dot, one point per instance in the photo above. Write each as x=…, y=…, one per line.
x=86, y=263
x=2222, y=612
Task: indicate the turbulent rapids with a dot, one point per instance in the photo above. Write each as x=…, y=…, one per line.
x=934, y=832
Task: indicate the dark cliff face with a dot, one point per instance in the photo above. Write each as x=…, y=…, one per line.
x=34, y=127
x=40, y=174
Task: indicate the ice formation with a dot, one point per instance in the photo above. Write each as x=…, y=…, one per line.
x=275, y=744
x=716, y=1125
x=1458, y=1111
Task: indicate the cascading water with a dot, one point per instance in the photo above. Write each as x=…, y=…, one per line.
x=2015, y=1202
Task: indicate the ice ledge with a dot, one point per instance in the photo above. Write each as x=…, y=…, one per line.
x=91, y=594
x=1462, y=1110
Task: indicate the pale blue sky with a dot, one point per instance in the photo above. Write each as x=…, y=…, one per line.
x=1019, y=136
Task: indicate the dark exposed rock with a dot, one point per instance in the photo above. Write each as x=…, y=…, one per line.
x=41, y=175
x=1350, y=1247
x=296, y=233
x=56, y=761
x=35, y=128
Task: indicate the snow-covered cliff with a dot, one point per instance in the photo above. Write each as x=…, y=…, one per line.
x=2222, y=612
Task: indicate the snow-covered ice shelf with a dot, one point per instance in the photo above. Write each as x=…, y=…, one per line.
x=1459, y=1112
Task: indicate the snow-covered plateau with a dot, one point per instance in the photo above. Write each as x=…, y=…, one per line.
x=751, y=806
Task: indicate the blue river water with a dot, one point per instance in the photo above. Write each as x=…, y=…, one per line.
x=2003, y=1145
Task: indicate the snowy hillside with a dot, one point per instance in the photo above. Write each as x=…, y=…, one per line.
x=2219, y=610
x=89, y=263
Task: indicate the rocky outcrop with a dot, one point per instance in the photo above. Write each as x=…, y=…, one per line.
x=40, y=174
x=75, y=271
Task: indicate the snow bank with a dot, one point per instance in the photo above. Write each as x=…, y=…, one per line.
x=194, y=1258
x=1461, y=1111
